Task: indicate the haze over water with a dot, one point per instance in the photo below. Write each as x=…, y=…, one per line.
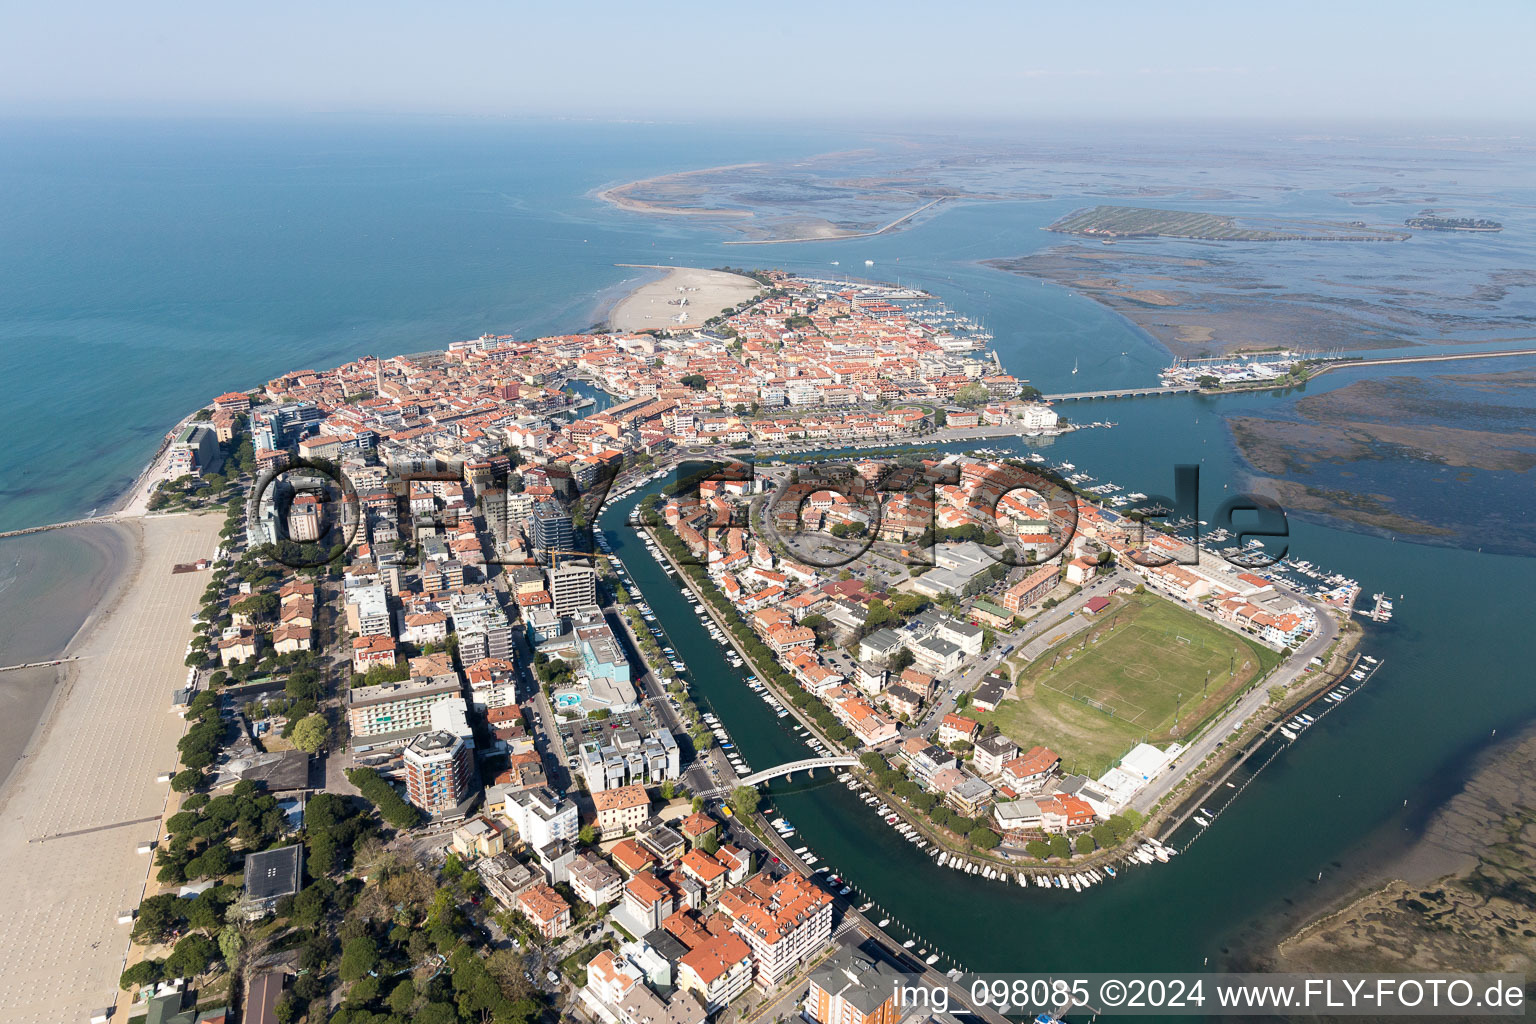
x=151, y=266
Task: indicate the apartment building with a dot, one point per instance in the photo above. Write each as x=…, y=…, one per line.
x=399, y=708
x=541, y=817
x=718, y=970
x=783, y=921
x=852, y=987
x=438, y=772
x=621, y=811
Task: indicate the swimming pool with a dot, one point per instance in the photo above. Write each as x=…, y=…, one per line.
x=568, y=700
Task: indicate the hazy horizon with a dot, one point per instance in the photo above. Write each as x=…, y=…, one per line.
x=1403, y=62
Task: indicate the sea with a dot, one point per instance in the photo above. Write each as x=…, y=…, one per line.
x=150, y=265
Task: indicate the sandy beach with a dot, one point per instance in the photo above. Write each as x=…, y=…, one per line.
x=85, y=793
x=683, y=299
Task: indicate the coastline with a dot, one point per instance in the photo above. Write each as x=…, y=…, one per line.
x=71, y=579
x=615, y=194
x=86, y=793
x=652, y=304
x=1450, y=899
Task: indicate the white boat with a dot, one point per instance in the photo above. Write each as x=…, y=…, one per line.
x=1201, y=822
x=1287, y=733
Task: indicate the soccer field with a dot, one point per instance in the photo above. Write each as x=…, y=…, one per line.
x=1143, y=665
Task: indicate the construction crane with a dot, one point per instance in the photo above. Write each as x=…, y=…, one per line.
x=554, y=553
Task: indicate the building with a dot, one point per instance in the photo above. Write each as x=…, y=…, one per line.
x=367, y=609
x=642, y=1006
x=957, y=727
x=625, y=758
x=505, y=878
x=621, y=811
x=552, y=527
x=707, y=871
x=1031, y=771
x=270, y=875
x=784, y=921
x=572, y=587
x=438, y=772
x=546, y=909
x=647, y=902
x=1031, y=588
x=477, y=838
x=609, y=981
x=992, y=752
x=852, y=987
x=306, y=517
x=261, y=995
x=195, y=450
x=937, y=656
x=541, y=818
x=397, y=708
x=717, y=970
x=989, y=694
x=594, y=880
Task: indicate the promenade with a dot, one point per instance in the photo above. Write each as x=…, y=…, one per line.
x=86, y=794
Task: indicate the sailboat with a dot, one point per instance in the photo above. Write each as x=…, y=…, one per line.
x=1074, y=367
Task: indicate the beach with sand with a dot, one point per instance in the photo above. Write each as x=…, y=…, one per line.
x=87, y=791
x=682, y=299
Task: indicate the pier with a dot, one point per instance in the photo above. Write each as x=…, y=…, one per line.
x=111, y=517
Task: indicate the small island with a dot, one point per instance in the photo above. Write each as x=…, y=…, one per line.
x=1115, y=222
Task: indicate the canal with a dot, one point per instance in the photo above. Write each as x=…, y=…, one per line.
x=1341, y=803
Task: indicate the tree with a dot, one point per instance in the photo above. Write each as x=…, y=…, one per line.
x=214, y=862
x=231, y=942
x=983, y=838
x=1084, y=843
x=1037, y=849
x=358, y=957
x=186, y=781
x=158, y=916
x=668, y=790
x=744, y=801
x=972, y=395
x=587, y=835
x=191, y=956
x=310, y=734
x=402, y=997
x=145, y=972
x=1060, y=847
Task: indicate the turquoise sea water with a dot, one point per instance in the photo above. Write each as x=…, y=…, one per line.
x=150, y=266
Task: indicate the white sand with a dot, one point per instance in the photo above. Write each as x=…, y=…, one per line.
x=658, y=305
x=109, y=733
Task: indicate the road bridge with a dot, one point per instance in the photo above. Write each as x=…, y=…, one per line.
x=1076, y=396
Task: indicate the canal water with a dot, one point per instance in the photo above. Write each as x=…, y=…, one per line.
x=1332, y=804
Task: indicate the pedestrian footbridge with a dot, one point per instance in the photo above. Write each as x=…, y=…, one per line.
x=809, y=765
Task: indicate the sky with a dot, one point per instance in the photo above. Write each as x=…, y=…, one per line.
x=887, y=62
